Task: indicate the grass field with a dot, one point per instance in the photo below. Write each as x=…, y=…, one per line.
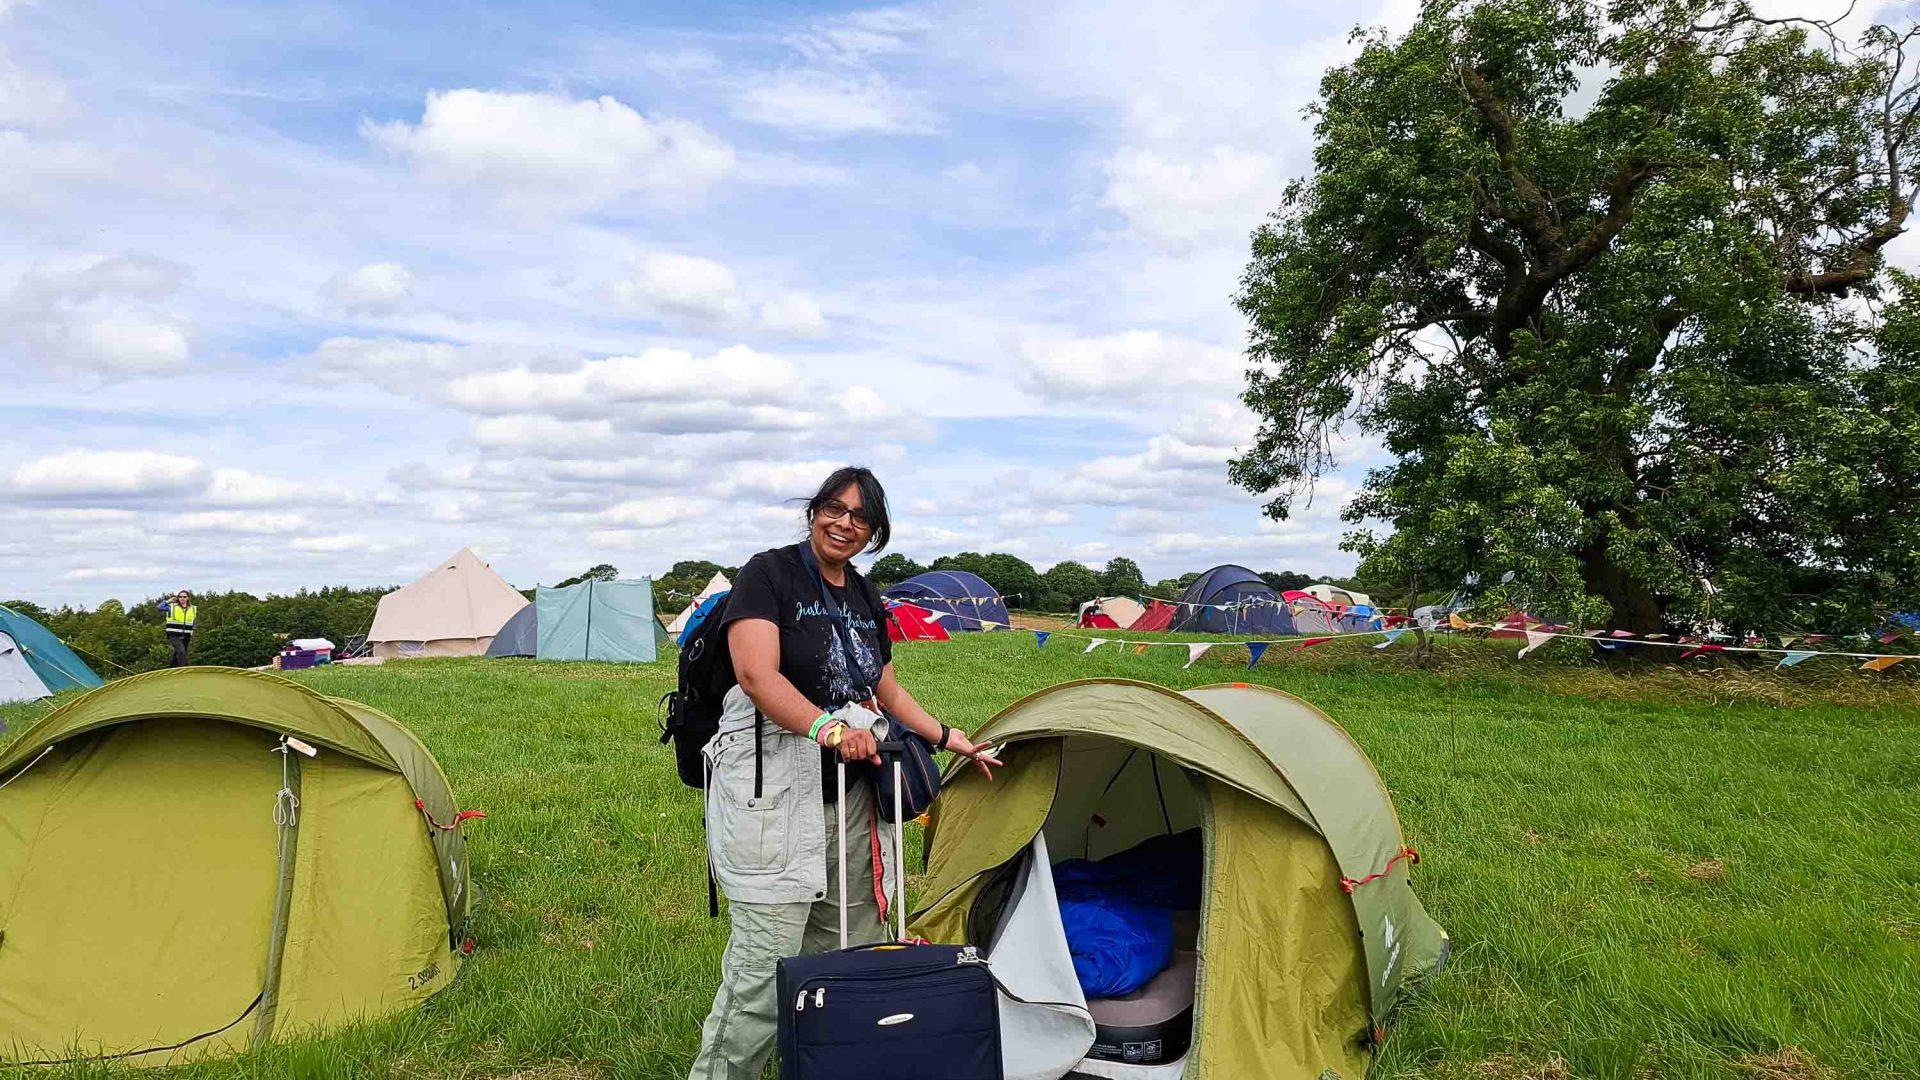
x=1645, y=875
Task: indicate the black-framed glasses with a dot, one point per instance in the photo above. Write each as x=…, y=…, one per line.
x=834, y=510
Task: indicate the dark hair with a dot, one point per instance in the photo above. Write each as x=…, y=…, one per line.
x=873, y=500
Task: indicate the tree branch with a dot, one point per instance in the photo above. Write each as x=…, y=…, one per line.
x=1536, y=219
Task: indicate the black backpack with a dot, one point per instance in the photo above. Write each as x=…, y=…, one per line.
x=690, y=713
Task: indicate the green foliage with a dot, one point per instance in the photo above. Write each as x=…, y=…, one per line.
x=1172, y=588
x=1286, y=580
x=1618, y=352
x=1122, y=577
x=600, y=572
x=248, y=641
x=686, y=578
x=892, y=569
x=1066, y=586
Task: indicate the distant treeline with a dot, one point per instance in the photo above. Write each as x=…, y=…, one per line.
x=243, y=630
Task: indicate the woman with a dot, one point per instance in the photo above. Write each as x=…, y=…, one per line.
x=770, y=802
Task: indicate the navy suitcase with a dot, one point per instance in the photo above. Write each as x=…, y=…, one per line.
x=890, y=1011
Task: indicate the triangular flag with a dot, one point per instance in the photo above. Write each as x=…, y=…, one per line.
x=1454, y=620
x=1310, y=642
x=1040, y=638
x=1882, y=663
x=1255, y=650
x=1699, y=649
x=1535, y=639
x=1195, y=651
x=1794, y=656
x=1787, y=642
x=1391, y=636
x=1138, y=649
x=1889, y=637
x=1097, y=642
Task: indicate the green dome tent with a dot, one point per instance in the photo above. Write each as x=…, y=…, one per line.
x=184, y=879
x=1309, y=931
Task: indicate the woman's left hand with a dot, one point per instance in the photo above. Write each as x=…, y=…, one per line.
x=960, y=744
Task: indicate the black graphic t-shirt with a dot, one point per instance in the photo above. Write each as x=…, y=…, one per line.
x=777, y=586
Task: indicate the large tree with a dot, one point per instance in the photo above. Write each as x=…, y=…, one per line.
x=1607, y=280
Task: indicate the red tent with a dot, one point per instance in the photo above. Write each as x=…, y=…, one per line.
x=1098, y=620
x=908, y=622
x=1159, y=616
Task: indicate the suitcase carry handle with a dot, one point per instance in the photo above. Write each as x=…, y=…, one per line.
x=887, y=748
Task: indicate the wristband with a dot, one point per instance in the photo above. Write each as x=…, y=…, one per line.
x=946, y=736
x=824, y=719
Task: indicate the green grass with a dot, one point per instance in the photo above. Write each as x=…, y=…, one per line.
x=1649, y=874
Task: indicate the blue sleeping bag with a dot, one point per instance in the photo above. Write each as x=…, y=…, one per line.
x=1117, y=945
x=1118, y=912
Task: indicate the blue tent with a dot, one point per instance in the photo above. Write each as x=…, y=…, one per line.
x=700, y=612
x=598, y=620
x=957, y=593
x=1232, y=600
x=49, y=666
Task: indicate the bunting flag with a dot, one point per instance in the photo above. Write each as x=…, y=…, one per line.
x=1454, y=620
x=1698, y=650
x=1096, y=643
x=1195, y=651
x=1310, y=642
x=1889, y=637
x=1391, y=636
x=1040, y=638
x=1794, y=656
x=1138, y=649
x=1787, y=642
x=1881, y=663
x=1255, y=650
x=1535, y=639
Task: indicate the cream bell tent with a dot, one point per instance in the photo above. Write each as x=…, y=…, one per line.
x=719, y=584
x=454, y=610
x=1339, y=597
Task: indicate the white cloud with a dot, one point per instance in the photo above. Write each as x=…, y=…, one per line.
x=1034, y=518
x=1180, y=203
x=826, y=104
x=541, y=432
x=547, y=150
x=685, y=286
x=1137, y=364
x=83, y=473
x=112, y=573
x=335, y=542
x=235, y=521
x=733, y=377
x=793, y=313
x=96, y=314
x=30, y=99
x=238, y=487
x=371, y=289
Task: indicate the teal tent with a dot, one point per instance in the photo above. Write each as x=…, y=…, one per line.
x=599, y=620
x=34, y=663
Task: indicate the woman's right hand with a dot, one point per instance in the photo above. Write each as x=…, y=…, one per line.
x=857, y=745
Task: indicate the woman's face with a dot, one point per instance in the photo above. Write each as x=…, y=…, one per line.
x=840, y=530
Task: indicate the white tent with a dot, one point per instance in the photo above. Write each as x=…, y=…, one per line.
x=718, y=584
x=454, y=610
x=17, y=680
x=1333, y=594
x=1123, y=610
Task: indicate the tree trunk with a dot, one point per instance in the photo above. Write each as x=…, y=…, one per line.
x=1635, y=608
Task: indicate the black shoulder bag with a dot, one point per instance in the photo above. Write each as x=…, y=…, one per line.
x=919, y=777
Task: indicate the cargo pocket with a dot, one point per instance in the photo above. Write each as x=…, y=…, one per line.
x=750, y=831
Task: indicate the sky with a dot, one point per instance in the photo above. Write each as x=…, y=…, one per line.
x=298, y=294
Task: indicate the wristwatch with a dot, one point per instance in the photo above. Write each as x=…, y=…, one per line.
x=946, y=736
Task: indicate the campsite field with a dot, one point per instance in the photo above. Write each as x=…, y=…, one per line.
x=1651, y=875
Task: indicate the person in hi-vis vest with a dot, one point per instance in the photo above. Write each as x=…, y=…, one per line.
x=180, y=613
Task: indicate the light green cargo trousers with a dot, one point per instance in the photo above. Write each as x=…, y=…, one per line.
x=738, y=1034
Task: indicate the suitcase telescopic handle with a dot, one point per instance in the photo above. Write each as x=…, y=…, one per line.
x=894, y=748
